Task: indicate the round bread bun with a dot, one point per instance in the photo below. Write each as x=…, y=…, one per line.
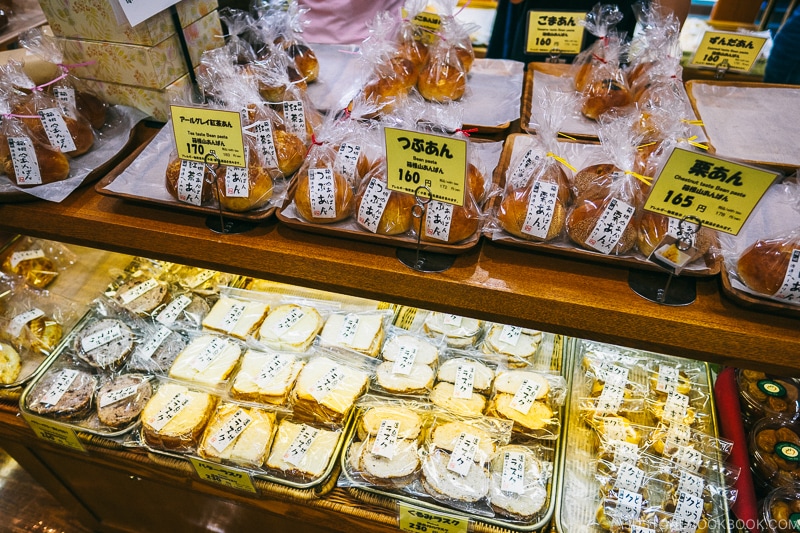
x=384, y=94
x=465, y=53
x=110, y=354
x=173, y=175
x=583, y=217
x=401, y=69
x=476, y=183
x=305, y=59
x=463, y=225
x=343, y=198
x=583, y=75
x=763, y=265
x=144, y=303
x=412, y=49
x=653, y=227
x=259, y=190
x=442, y=81
x=396, y=218
x=41, y=334
x=79, y=129
x=74, y=403
x=592, y=176
x=290, y=150
x=53, y=164
x=513, y=211
x=9, y=364
x=92, y=108
x=602, y=95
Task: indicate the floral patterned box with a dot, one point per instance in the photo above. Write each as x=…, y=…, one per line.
x=155, y=102
x=95, y=20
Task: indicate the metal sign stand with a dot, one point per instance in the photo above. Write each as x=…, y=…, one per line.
x=218, y=224
x=417, y=259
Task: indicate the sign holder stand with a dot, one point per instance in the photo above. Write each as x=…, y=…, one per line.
x=417, y=259
x=218, y=224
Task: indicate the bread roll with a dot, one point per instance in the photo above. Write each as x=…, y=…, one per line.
x=104, y=343
x=763, y=265
x=513, y=212
x=396, y=217
x=442, y=79
x=175, y=417
x=411, y=47
x=305, y=59
x=92, y=108
x=342, y=206
x=592, y=176
x=403, y=69
x=583, y=218
x=602, y=95
x=464, y=222
x=42, y=334
x=52, y=163
x=173, y=175
x=509, y=382
x=133, y=296
x=458, y=332
x=259, y=190
x=79, y=128
x=290, y=150
x=384, y=94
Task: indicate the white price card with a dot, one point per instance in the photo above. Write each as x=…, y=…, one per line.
x=18, y=322
x=56, y=129
x=465, y=378
x=667, y=378
x=204, y=358
x=525, y=396
x=322, y=192
x=175, y=405
x=66, y=100
x=438, y=217
x=610, y=399
x=237, y=182
x=610, y=226
x=190, y=182
x=405, y=360
x=114, y=396
x=676, y=407
x=101, y=338
x=27, y=255
x=522, y=172
x=463, y=453
x=262, y=131
x=295, y=315
x=789, y=290
x=230, y=431
x=629, y=504
x=513, y=479
x=691, y=484
x=347, y=160
x=687, y=513
x=541, y=206
x=625, y=451
x=294, y=117
x=386, y=439
x=688, y=459
x=232, y=316
x=510, y=335
x=349, y=329
x=373, y=204
x=138, y=290
x=152, y=344
x=629, y=477
x=614, y=375
x=23, y=157
x=300, y=445
x=200, y=278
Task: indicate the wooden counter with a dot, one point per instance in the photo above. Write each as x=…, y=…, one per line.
x=557, y=294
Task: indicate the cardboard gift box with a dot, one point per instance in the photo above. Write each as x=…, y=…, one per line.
x=155, y=102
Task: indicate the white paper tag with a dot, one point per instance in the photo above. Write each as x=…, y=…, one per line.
x=346, y=161
x=386, y=439
x=522, y=172
x=678, y=435
x=688, y=513
x=232, y=428
x=262, y=130
x=327, y=383
x=295, y=315
x=610, y=399
x=629, y=504
x=115, y=396
x=691, y=484
x=172, y=311
x=138, y=291
x=688, y=458
x=629, y=477
x=625, y=451
x=27, y=255
x=322, y=192
x=66, y=100
x=373, y=204
x=465, y=378
x=614, y=375
x=614, y=429
x=147, y=349
x=463, y=453
x=294, y=117
x=438, y=217
x=513, y=479
x=56, y=129
x=137, y=11
x=510, y=335
x=525, y=396
x=174, y=406
x=405, y=360
x=610, y=226
x=200, y=278
x=101, y=338
x=349, y=329
x=23, y=157
x=18, y=322
x=190, y=182
x=541, y=206
x=61, y=385
x=676, y=407
x=204, y=358
x=271, y=368
x=682, y=230
x=667, y=378
x=640, y=529
x=452, y=320
x=237, y=182
x=790, y=288
x=232, y=316
x=300, y=445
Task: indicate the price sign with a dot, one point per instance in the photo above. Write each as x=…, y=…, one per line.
x=230, y=478
x=416, y=159
x=720, y=193
x=739, y=50
x=199, y=132
x=55, y=433
x=416, y=520
x=550, y=31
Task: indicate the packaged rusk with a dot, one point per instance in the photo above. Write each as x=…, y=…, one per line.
x=302, y=451
x=457, y=331
x=267, y=376
x=37, y=261
x=464, y=382
x=201, y=281
x=519, y=345
x=208, y=360
x=409, y=366
x=531, y=399
x=238, y=313
x=362, y=332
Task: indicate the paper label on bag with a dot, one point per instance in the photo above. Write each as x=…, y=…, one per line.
x=682, y=229
x=349, y=329
x=138, y=291
x=294, y=117
x=232, y=317
x=322, y=192
x=629, y=504
x=346, y=161
x=615, y=429
x=23, y=157
x=691, y=484
x=229, y=432
x=610, y=226
x=610, y=399
x=300, y=445
x=56, y=129
x=629, y=477
x=237, y=182
x=688, y=458
x=405, y=360
x=438, y=217
x=172, y=311
x=373, y=204
x=525, y=396
x=271, y=369
x=452, y=320
x=200, y=278
x=510, y=335
x=513, y=479
x=667, y=378
x=679, y=434
x=66, y=100
x=465, y=378
x=262, y=131
x=541, y=206
x=386, y=439
x=101, y=338
x=174, y=406
x=327, y=383
x=614, y=375
x=625, y=451
x=190, y=182
x=688, y=513
x=790, y=288
x=295, y=315
x=463, y=453
x=61, y=385
x=522, y=172
x=640, y=529
x=27, y=255
x=147, y=349
x=117, y=395
x=204, y=358
x=18, y=322
x=676, y=407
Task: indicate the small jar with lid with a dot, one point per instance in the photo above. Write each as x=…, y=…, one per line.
x=779, y=511
x=774, y=446
x=764, y=396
